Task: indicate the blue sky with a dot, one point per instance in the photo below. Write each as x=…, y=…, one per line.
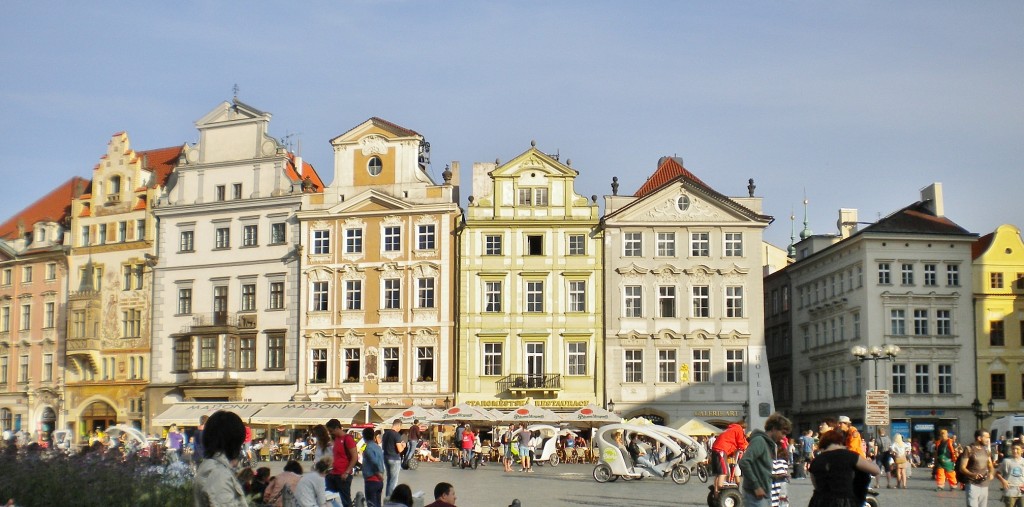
x=858, y=103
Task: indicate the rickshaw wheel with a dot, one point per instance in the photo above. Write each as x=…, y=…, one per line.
x=553, y=460
x=603, y=473
x=680, y=475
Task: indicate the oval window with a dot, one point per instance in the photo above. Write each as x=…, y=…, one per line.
x=374, y=166
x=683, y=203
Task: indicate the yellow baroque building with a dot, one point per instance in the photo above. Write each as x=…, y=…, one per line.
x=999, y=319
x=530, y=301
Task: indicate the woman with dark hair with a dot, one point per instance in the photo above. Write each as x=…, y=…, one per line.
x=834, y=473
x=215, y=482
x=324, y=444
x=401, y=497
x=289, y=478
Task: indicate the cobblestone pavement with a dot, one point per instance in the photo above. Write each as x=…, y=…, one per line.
x=573, y=485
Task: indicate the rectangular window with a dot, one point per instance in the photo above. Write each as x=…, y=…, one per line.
x=5, y=320
x=102, y=239
x=907, y=274
x=26, y=274
x=945, y=379
x=577, y=244
x=3, y=374
x=353, y=241
x=425, y=293
x=943, y=323
x=222, y=238
x=186, y=242
x=998, y=386
x=320, y=297
x=899, y=379
x=390, y=369
x=51, y=271
x=856, y=325
x=1020, y=281
x=49, y=314
x=633, y=301
x=667, y=301
x=85, y=236
x=276, y=295
x=275, y=352
x=220, y=303
x=236, y=191
x=666, y=244
x=734, y=365
x=701, y=366
x=392, y=293
x=995, y=280
x=667, y=365
x=220, y=193
x=701, y=301
x=122, y=232
x=996, y=336
x=492, y=297
x=525, y=197
x=577, y=296
x=126, y=282
x=700, y=244
x=534, y=244
x=922, y=379
x=248, y=297
x=426, y=237
x=953, y=275
x=920, y=322
x=577, y=355
x=633, y=365
x=392, y=239
x=184, y=301
x=424, y=364
x=277, y=232
x=884, y=273
x=47, y=367
x=77, y=323
x=931, y=277
x=208, y=352
x=734, y=244
x=23, y=369
x=247, y=353
x=140, y=229
x=26, y=318
x=632, y=244
x=131, y=323
x=322, y=241
x=898, y=322
x=734, y=301
x=534, y=297
x=353, y=364
x=250, y=235
x=492, y=359
x=318, y=366
x=492, y=244
x=182, y=354
x=540, y=197
x=353, y=294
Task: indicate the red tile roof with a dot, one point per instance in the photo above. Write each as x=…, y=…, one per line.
x=162, y=162
x=979, y=247
x=54, y=207
x=669, y=168
x=307, y=170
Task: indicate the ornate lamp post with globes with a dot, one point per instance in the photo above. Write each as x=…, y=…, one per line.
x=875, y=354
x=983, y=414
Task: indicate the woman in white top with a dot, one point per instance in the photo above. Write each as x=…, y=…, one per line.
x=901, y=455
x=311, y=490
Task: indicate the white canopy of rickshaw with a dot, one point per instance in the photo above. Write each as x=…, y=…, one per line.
x=130, y=432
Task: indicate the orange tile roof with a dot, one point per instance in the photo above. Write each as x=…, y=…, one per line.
x=669, y=168
x=979, y=247
x=307, y=170
x=162, y=162
x=53, y=206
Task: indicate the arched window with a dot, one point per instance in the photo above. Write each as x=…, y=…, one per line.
x=114, y=188
x=6, y=419
x=374, y=166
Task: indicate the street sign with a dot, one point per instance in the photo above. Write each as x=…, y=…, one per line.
x=876, y=408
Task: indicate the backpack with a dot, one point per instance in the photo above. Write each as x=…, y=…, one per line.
x=961, y=462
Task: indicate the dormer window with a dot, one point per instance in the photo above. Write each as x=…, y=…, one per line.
x=114, y=189
x=374, y=166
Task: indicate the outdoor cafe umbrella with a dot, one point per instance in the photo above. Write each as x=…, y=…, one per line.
x=532, y=413
x=698, y=427
x=463, y=413
x=413, y=413
x=591, y=416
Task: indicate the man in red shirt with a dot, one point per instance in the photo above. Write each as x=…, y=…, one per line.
x=733, y=439
x=339, y=478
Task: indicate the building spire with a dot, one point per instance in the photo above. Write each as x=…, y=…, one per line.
x=806, y=233
x=791, y=251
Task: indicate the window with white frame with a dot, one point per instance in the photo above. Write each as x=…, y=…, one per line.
x=250, y=235
x=247, y=353
x=390, y=364
x=856, y=325
x=47, y=367
x=633, y=365
x=186, y=242
x=701, y=365
x=392, y=293
x=492, y=297
x=700, y=244
x=492, y=359
x=633, y=301
x=392, y=239
x=353, y=294
x=667, y=365
x=632, y=244
x=222, y=238
x=667, y=301
x=49, y=314
x=248, y=297
x=943, y=322
x=899, y=379
x=535, y=296
x=51, y=271
x=5, y=320
x=953, y=275
x=884, y=273
x=23, y=369
x=734, y=244
x=577, y=296
x=577, y=244
x=322, y=241
x=122, y=231
x=734, y=301
x=318, y=366
x=666, y=244
x=185, y=301
x=920, y=322
x=426, y=237
x=922, y=379
x=907, y=274
x=277, y=233
x=26, y=317
x=945, y=379
x=275, y=352
x=208, y=352
x=26, y=274
x=101, y=238
x=931, y=277
x=236, y=191
x=577, y=356
x=140, y=229
x=492, y=244
x=131, y=323
x=425, y=293
x=701, y=301
x=276, y=295
x=352, y=365
x=734, y=365
x=424, y=364
x=319, y=301
x=353, y=241
x=898, y=322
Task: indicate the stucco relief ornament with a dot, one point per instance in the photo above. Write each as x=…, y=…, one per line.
x=389, y=338
x=319, y=224
x=373, y=145
x=425, y=337
x=704, y=210
x=351, y=339
x=391, y=220
x=319, y=341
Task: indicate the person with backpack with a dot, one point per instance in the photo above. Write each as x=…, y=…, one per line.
x=976, y=469
x=945, y=462
x=506, y=448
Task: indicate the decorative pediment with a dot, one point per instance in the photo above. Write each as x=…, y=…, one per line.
x=320, y=274
x=351, y=272
x=667, y=334
x=391, y=221
x=632, y=269
x=733, y=270
x=632, y=338
x=425, y=337
x=667, y=273
x=368, y=201
x=425, y=270
x=426, y=219
x=390, y=270
x=733, y=335
x=699, y=334
x=390, y=338
x=532, y=160
x=997, y=365
x=231, y=111
x=319, y=340
x=351, y=338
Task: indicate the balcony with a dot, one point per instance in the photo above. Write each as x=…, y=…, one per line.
x=521, y=383
x=220, y=322
x=83, y=345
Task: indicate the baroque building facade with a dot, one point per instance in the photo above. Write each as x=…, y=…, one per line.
x=112, y=249
x=33, y=291
x=530, y=299
x=226, y=306
x=685, y=333
x=999, y=320
x=378, y=274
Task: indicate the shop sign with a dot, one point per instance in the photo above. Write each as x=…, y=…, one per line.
x=924, y=427
x=717, y=413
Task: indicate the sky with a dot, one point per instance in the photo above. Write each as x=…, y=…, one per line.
x=853, y=104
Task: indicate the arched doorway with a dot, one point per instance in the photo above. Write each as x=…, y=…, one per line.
x=47, y=423
x=97, y=416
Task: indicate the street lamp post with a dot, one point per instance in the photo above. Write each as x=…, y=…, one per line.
x=876, y=354
x=982, y=414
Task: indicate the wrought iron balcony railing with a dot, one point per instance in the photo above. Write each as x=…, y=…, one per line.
x=530, y=382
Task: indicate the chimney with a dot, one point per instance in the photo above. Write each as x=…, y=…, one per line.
x=932, y=198
x=482, y=183
x=847, y=222
x=298, y=166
